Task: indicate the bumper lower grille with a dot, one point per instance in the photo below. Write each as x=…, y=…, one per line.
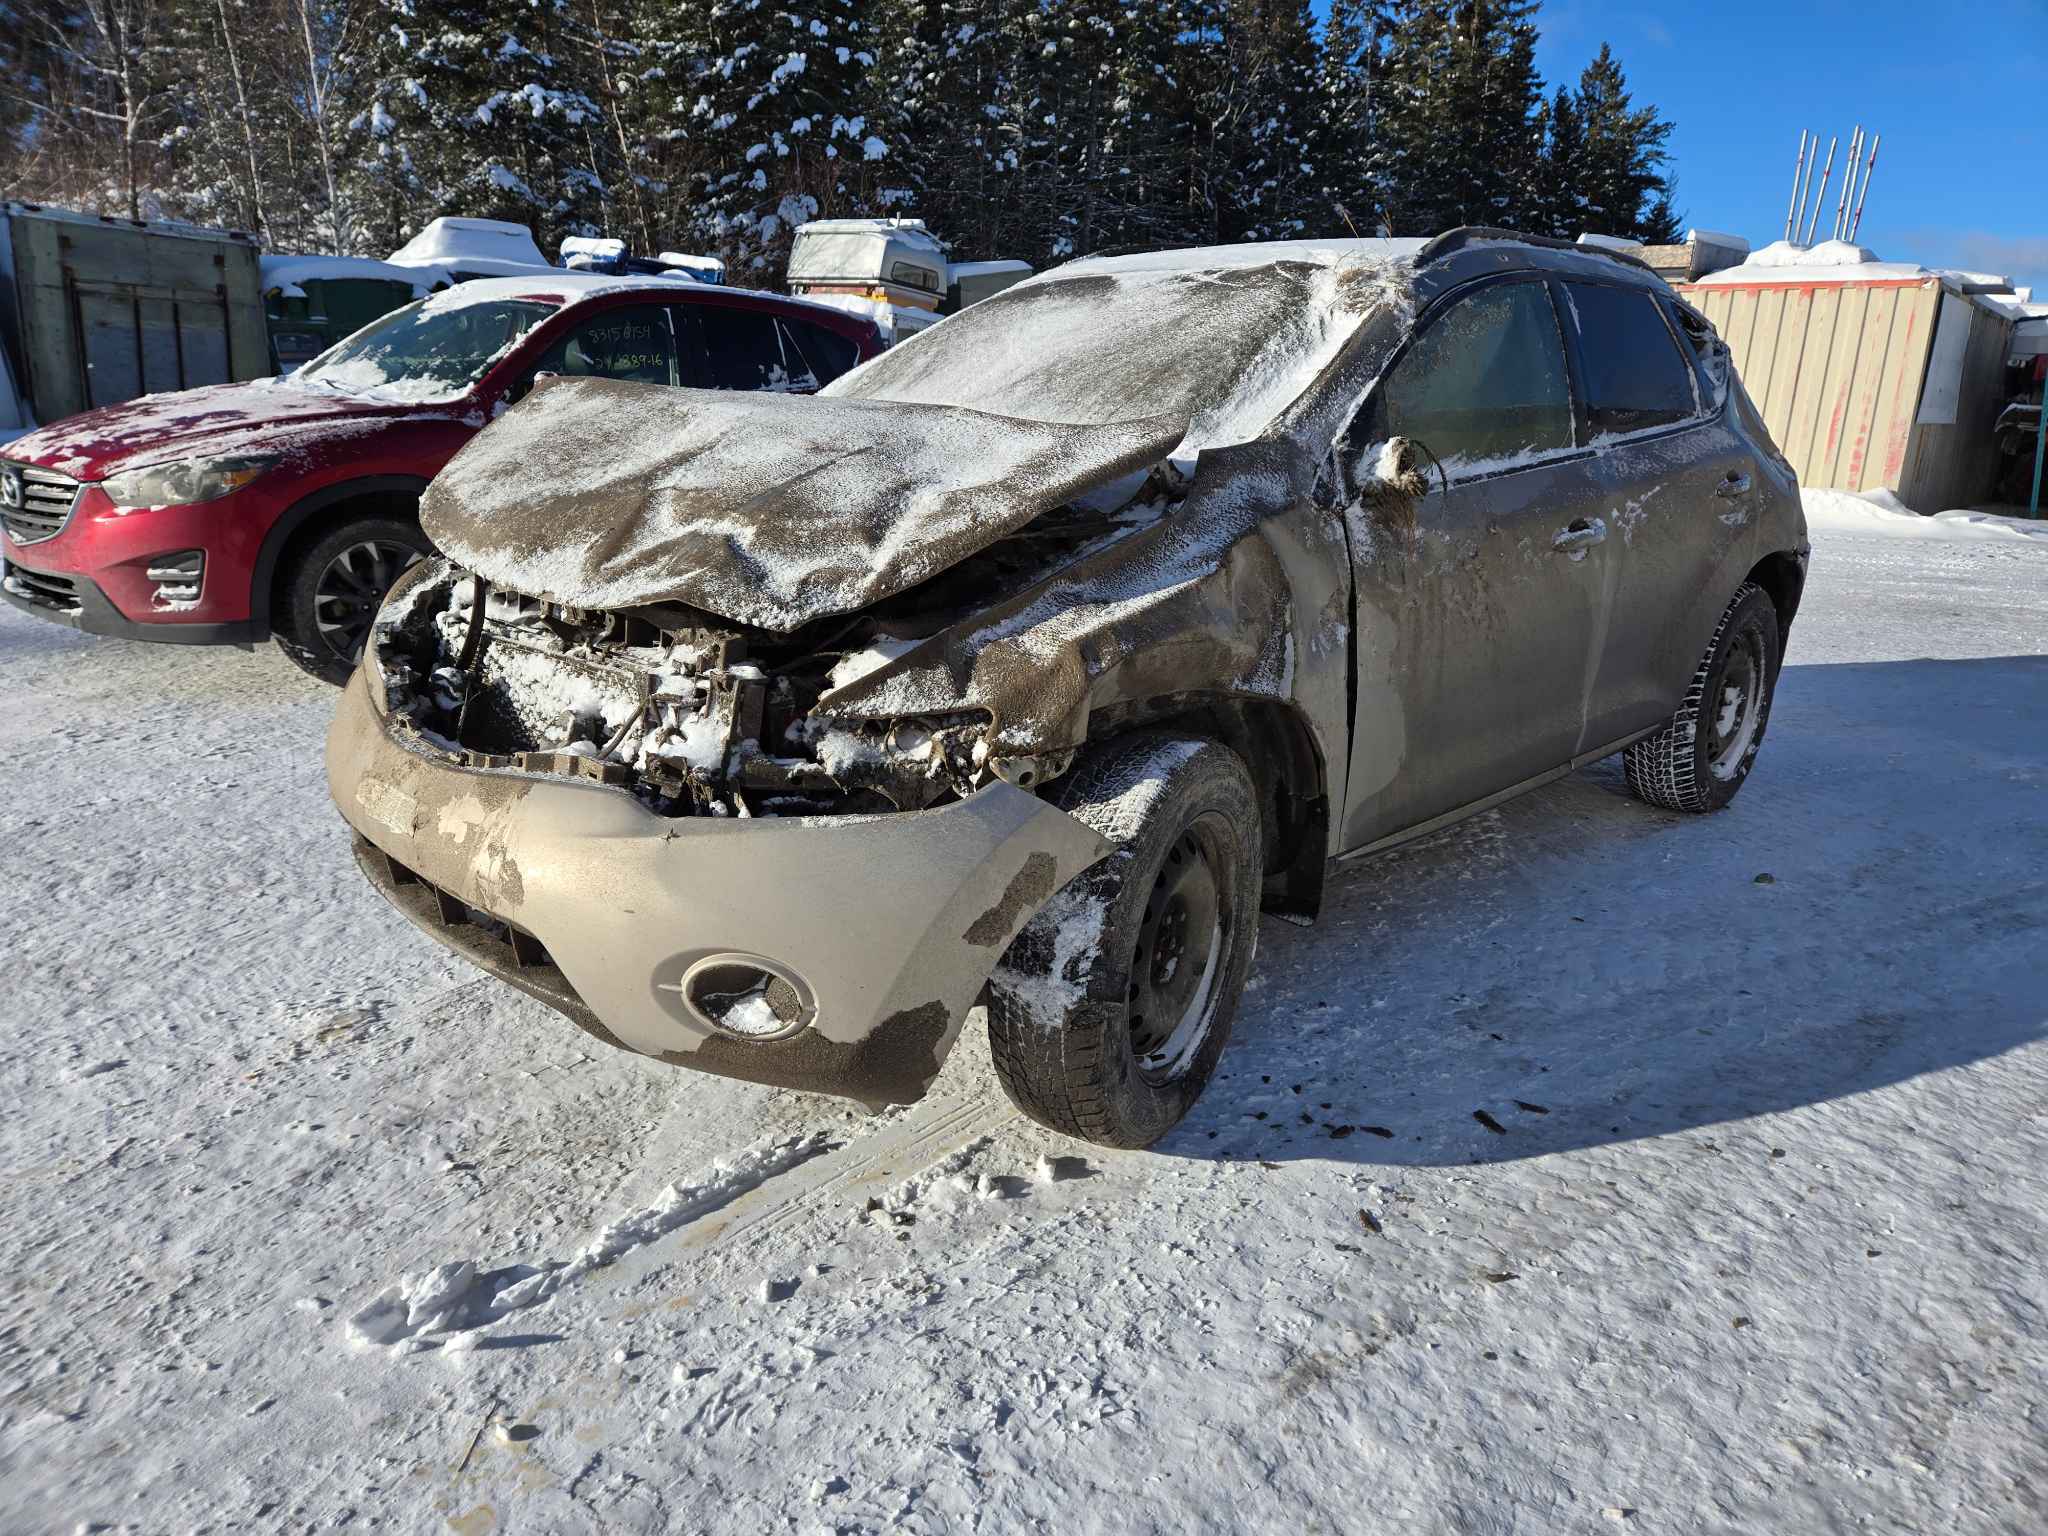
x=59, y=592
x=509, y=953
x=35, y=504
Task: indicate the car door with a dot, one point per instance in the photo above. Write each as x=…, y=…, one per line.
x=1676, y=485
x=1475, y=626
x=635, y=342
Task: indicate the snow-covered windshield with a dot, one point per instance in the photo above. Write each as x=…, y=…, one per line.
x=430, y=351
x=1224, y=349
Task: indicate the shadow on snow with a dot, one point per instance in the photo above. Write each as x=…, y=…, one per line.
x=1579, y=968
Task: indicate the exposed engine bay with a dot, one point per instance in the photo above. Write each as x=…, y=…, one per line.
x=701, y=716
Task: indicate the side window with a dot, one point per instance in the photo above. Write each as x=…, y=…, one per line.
x=633, y=343
x=1484, y=383
x=1635, y=376
x=750, y=349
x=829, y=353
x=1706, y=349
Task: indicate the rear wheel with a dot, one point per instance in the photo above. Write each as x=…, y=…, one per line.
x=331, y=592
x=1108, y=1013
x=1699, y=761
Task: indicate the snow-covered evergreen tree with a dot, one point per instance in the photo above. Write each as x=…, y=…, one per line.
x=1036, y=128
x=1621, y=174
x=1340, y=132
x=772, y=116
x=469, y=110
x=1456, y=136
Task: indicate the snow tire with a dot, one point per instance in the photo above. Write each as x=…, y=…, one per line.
x=1095, y=1029
x=1699, y=761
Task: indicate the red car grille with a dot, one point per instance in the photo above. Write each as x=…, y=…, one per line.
x=35, y=503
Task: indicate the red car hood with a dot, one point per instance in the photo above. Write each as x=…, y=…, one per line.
x=264, y=416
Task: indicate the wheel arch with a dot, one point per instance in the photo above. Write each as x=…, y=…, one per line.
x=314, y=515
x=1782, y=575
x=1273, y=738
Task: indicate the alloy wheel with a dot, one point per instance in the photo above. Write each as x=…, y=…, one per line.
x=350, y=589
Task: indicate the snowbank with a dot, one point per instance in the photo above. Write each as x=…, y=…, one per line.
x=1881, y=512
x=894, y=322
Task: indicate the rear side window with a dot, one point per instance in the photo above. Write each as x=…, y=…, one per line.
x=1484, y=383
x=829, y=353
x=750, y=349
x=1635, y=375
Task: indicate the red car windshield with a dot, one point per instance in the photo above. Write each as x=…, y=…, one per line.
x=431, y=351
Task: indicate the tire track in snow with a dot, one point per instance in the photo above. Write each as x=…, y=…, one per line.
x=756, y=1193
x=906, y=1145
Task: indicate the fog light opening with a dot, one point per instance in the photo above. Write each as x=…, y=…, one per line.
x=178, y=578
x=747, y=997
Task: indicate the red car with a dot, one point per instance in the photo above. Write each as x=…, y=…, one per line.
x=286, y=507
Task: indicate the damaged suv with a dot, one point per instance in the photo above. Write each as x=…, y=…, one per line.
x=1032, y=660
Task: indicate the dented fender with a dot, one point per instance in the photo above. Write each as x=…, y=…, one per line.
x=1241, y=590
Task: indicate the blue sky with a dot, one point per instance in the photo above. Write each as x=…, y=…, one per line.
x=1959, y=93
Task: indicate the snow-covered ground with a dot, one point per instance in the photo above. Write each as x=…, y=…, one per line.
x=1586, y=1167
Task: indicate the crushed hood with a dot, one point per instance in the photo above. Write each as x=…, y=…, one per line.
x=768, y=510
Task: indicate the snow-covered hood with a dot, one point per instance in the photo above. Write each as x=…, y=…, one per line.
x=769, y=510
x=256, y=417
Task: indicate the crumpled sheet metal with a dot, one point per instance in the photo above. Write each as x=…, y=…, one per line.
x=769, y=510
x=1240, y=589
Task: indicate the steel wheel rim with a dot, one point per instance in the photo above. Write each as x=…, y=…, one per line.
x=351, y=588
x=1737, y=707
x=1176, y=967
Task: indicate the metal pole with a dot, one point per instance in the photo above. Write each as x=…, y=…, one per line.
x=2040, y=448
x=1798, y=168
x=1855, y=164
x=1821, y=196
x=1840, y=226
x=1799, y=220
x=1867, y=169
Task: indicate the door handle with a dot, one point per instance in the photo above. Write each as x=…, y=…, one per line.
x=1737, y=484
x=1580, y=535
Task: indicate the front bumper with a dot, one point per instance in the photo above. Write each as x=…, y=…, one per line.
x=599, y=907
x=78, y=602
x=103, y=556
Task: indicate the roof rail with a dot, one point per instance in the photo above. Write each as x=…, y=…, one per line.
x=1453, y=240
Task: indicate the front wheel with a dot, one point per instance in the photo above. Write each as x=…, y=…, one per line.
x=331, y=592
x=1698, y=761
x=1110, y=1009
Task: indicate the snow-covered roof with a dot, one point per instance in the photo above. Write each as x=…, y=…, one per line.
x=463, y=242
x=1715, y=237
x=591, y=248
x=1838, y=261
x=685, y=260
x=290, y=272
x=555, y=283
x=908, y=229
x=1220, y=258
